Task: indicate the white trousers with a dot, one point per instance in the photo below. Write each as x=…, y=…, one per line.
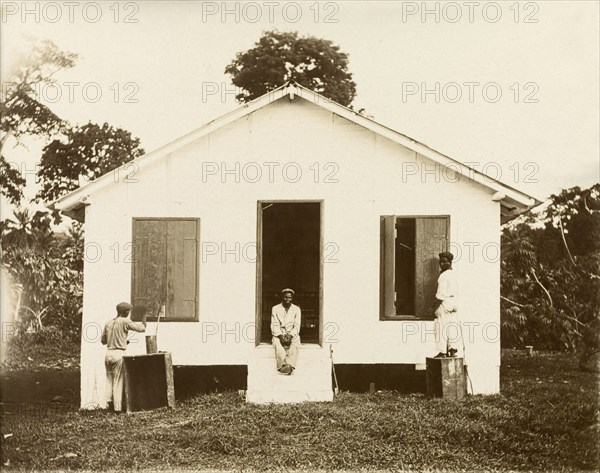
x=286, y=356
x=113, y=362
x=447, y=331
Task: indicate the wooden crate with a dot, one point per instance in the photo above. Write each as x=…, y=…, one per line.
x=148, y=382
x=446, y=378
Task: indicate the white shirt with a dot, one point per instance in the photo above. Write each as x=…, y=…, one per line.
x=285, y=321
x=447, y=291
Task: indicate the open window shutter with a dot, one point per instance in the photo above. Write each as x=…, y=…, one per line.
x=181, y=293
x=149, y=275
x=387, y=270
x=431, y=239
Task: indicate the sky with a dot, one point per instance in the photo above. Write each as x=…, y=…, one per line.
x=510, y=87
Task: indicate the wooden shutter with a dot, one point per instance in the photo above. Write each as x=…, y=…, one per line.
x=182, y=260
x=165, y=268
x=431, y=239
x=149, y=285
x=387, y=295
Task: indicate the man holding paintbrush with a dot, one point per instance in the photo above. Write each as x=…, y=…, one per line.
x=114, y=337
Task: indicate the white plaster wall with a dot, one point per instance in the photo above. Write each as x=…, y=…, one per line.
x=374, y=177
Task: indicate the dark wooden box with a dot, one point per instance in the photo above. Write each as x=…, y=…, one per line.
x=446, y=378
x=148, y=382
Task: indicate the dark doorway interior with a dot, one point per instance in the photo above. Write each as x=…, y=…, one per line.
x=291, y=238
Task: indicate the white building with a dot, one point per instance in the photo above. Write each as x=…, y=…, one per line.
x=293, y=190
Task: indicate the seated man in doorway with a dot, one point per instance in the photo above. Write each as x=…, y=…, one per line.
x=285, y=327
x=447, y=328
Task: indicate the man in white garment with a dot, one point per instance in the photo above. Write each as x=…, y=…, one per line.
x=447, y=329
x=285, y=328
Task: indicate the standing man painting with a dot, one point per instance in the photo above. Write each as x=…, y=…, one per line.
x=447, y=328
x=285, y=327
x=114, y=337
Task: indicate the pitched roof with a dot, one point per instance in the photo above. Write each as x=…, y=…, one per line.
x=513, y=201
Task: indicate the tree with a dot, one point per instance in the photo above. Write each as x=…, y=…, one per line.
x=89, y=151
x=46, y=268
x=277, y=58
x=21, y=113
x=551, y=275
x=26, y=231
x=11, y=181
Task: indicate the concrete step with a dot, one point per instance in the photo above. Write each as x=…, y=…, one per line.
x=311, y=381
x=288, y=397
x=307, y=373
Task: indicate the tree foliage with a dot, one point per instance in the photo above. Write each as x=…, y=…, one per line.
x=11, y=181
x=87, y=151
x=21, y=113
x=277, y=58
x=551, y=274
x=46, y=268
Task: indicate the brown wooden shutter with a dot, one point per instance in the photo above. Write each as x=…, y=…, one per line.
x=149, y=285
x=431, y=239
x=165, y=268
x=387, y=270
x=182, y=262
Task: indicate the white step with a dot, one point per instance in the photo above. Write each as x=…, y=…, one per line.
x=311, y=380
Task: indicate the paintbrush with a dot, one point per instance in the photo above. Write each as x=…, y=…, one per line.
x=161, y=313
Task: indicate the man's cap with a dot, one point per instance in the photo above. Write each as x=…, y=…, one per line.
x=446, y=254
x=291, y=291
x=123, y=307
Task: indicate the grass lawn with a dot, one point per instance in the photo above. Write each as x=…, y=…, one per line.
x=545, y=419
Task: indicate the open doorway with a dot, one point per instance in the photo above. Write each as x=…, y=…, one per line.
x=289, y=244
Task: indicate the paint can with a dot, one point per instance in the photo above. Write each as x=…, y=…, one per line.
x=151, y=345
